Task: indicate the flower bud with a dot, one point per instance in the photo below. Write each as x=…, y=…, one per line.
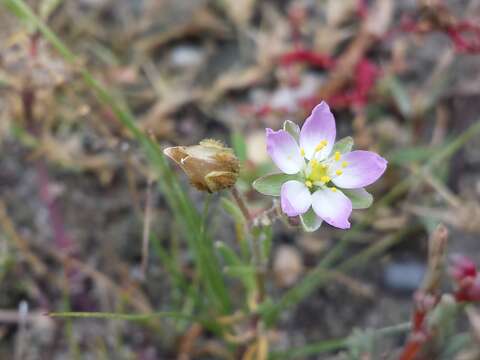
x=210, y=166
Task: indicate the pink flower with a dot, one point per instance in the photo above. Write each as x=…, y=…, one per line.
x=322, y=175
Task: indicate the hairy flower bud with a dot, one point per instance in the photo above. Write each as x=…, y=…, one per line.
x=210, y=166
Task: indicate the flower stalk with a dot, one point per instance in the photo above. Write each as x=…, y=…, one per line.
x=254, y=245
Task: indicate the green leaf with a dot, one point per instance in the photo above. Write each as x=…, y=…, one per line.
x=239, y=146
x=292, y=128
x=47, y=7
x=232, y=209
x=400, y=95
x=267, y=242
x=271, y=184
x=360, y=198
x=245, y=273
x=343, y=145
x=119, y=316
x=228, y=255
x=310, y=221
x=407, y=156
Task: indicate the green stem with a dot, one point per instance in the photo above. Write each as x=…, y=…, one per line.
x=255, y=245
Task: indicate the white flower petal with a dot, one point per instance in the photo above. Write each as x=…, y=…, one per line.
x=333, y=207
x=284, y=151
x=295, y=198
x=318, y=127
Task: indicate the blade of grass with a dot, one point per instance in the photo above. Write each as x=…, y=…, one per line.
x=335, y=344
x=120, y=316
x=185, y=212
x=208, y=324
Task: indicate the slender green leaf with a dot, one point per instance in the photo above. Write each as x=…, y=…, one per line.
x=239, y=145
x=407, y=156
x=47, y=7
x=400, y=95
x=233, y=210
x=266, y=242
x=228, y=255
x=118, y=316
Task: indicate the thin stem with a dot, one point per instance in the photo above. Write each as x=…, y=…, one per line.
x=255, y=245
x=146, y=226
x=241, y=204
x=206, y=207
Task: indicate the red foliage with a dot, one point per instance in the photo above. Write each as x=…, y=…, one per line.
x=307, y=56
x=467, y=279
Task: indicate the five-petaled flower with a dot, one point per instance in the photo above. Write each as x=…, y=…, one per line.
x=319, y=174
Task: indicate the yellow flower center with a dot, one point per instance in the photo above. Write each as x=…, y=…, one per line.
x=319, y=172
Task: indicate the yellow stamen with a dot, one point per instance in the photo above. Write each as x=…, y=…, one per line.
x=325, y=179
x=334, y=189
x=302, y=151
x=344, y=164
x=337, y=155
x=314, y=163
x=321, y=145
x=308, y=183
x=339, y=172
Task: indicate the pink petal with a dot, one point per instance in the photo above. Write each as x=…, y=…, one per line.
x=333, y=207
x=284, y=151
x=319, y=126
x=363, y=168
x=295, y=198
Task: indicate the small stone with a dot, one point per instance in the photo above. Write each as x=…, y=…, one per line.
x=404, y=276
x=186, y=56
x=313, y=244
x=287, y=265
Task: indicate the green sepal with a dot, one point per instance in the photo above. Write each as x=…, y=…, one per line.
x=292, y=128
x=272, y=184
x=310, y=221
x=343, y=145
x=360, y=198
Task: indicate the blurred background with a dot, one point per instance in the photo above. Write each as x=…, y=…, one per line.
x=78, y=198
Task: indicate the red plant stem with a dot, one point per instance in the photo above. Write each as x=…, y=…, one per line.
x=411, y=350
x=62, y=241
x=61, y=238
